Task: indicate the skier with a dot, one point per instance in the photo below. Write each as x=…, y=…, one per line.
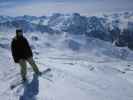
x=22, y=52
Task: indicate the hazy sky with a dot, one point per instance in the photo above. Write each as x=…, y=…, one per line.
x=43, y=7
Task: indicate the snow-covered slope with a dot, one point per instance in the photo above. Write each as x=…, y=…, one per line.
x=83, y=68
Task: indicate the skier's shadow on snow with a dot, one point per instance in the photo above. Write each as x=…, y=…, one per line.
x=31, y=89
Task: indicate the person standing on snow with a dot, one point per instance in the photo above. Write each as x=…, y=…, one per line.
x=22, y=52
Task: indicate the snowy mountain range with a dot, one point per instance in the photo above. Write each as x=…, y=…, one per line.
x=107, y=27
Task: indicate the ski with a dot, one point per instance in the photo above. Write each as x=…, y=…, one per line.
x=43, y=75
x=46, y=76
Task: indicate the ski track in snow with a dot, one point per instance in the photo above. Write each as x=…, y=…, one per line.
x=74, y=75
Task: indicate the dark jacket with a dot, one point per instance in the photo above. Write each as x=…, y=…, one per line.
x=20, y=49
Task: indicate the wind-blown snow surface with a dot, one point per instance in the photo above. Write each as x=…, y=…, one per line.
x=82, y=69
